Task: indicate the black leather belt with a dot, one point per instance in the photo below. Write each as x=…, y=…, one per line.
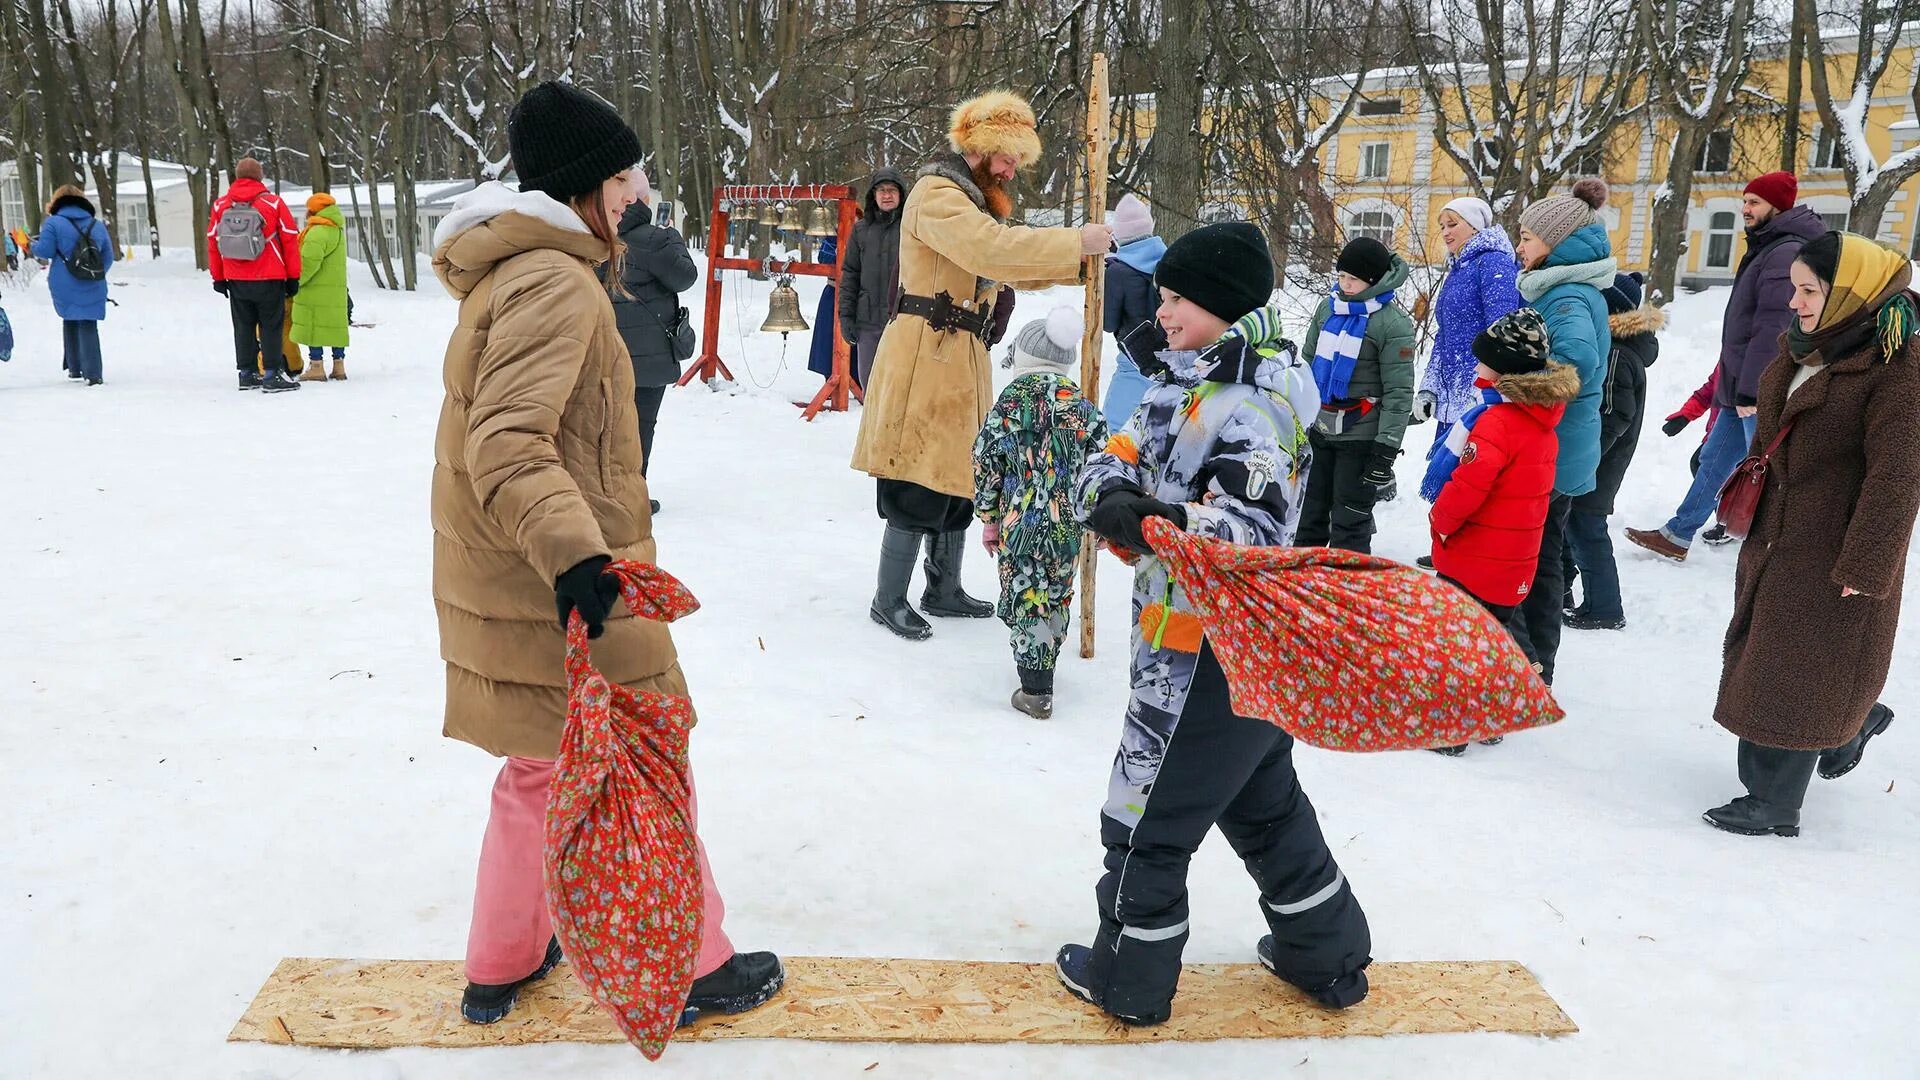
x=943, y=314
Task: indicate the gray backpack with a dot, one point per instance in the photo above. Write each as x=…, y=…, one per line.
x=242, y=233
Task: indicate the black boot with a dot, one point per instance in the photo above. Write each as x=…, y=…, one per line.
x=890, y=609
x=1840, y=760
x=943, y=596
x=1035, y=696
x=276, y=382
x=1776, y=782
x=744, y=982
x=489, y=1003
x=1342, y=993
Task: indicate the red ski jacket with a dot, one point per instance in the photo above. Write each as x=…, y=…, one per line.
x=281, y=258
x=1699, y=402
x=1489, y=517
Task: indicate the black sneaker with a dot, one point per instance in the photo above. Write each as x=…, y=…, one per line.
x=277, y=383
x=489, y=1003
x=746, y=981
x=1840, y=760
x=1342, y=993
x=1586, y=620
x=249, y=380
x=1424, y=562
x=1717, y=535
x=1495, y=741
x=1449, y=751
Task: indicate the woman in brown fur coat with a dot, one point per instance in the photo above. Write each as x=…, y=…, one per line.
x=1817, y=596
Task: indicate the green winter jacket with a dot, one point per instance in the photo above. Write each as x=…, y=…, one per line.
x=1385, y=368
x=320, y=307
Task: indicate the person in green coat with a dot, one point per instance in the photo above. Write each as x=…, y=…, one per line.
x=321, y=307
x=1361, y=345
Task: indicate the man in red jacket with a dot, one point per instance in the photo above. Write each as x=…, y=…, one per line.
x=253, y=249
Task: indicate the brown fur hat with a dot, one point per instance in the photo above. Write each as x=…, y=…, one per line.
x=995, y=123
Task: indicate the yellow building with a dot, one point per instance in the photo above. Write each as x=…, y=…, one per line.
x=1389, y=179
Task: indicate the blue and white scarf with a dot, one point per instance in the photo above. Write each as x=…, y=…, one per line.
x=1338, y=348
x=1446, y=455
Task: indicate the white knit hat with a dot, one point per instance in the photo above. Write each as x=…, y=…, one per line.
x=1474, y=211
x=1051, y=344
x=1132, y=219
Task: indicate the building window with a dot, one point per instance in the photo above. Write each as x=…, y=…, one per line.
x=1835, y=221
x=1373, y=160
x=1716, y=154
x=1720, y=240
x=1591, y=163
x=1381, y=107
x=1826, y=151
x=1377, y=224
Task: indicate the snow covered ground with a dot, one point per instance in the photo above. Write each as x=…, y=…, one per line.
x=221, y=697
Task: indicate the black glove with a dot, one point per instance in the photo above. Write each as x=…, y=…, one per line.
x=1380, y=466
x=588, y=589
x=293, y=286
x=1118, y=517
x=1674, y=425
x=219, y=286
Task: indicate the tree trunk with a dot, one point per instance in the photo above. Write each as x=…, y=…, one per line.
x=320, y=98
x=1790, y=131
x=1176, y=147
x=25, y=134
x=1670, y=207
x=55, y=125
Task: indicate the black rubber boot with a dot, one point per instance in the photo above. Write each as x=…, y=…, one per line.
x=746, y=981
x=1035, y=696
x=1840, y=760
x=489, y=1003
x=898, y=549
x=944, y=597
x=1074, y=964
x=1342, y=993
x=1776, y=782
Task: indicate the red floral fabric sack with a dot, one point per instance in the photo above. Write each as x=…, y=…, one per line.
x=1354, y=652
x=622, y=880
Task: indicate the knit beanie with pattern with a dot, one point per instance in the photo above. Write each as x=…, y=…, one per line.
x=1049, y=344
x=566, y=141
x=1557, y=217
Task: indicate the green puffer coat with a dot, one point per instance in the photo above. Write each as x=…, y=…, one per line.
x=320, y=307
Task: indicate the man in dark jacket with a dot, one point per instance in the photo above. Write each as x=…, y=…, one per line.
x=1757, y=315
x=657, y=269
x=870, y=272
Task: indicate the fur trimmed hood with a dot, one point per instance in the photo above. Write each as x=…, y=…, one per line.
x=1556, y=384
x=1643, y=320
x=1000, y=122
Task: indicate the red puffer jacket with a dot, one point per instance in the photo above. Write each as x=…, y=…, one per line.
x=281, y=258
x=1489, y=517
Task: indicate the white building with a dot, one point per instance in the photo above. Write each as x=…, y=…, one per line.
x=174, y=200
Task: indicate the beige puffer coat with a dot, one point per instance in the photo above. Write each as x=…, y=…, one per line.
x=536, y=467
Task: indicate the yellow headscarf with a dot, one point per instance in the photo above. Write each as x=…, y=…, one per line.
x=1865, y=270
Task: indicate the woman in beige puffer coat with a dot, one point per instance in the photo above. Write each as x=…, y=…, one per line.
x=537, y=486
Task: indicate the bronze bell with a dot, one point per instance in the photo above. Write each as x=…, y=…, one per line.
x=790, y=220
x=783, y=309
x=769, y=214
x=820, y=223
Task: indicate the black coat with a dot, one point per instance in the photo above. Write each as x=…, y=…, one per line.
x=1130, y=299
x=658, y=269
x=870, y=267
x=1623, y=402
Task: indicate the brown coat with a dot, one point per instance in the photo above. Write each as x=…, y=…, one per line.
x=930, y=391
x=1803, y=664
x=536, y=467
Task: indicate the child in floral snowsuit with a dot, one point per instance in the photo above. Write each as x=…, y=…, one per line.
x=1025, y=462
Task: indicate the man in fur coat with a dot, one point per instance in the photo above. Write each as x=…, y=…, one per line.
x=931, y=388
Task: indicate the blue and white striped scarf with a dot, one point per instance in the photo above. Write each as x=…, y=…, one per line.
x=1446, y=455
x=1338, y=348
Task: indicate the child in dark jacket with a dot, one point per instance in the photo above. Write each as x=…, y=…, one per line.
x=1130, y=302
x=1495, y=471
x=1025, y=461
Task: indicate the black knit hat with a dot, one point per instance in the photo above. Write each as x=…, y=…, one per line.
x=1624, y=294
x=1224, y=268
x=567, y=142
x=1516, y=343
x=1365, y=258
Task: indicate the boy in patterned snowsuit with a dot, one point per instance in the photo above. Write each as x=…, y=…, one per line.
x=1025, y=461
x=1219, y=448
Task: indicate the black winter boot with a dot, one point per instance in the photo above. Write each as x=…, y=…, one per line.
x=1074, y=965
x=746, y=981
x=1776, y=783
x=1035, y=696
x=944, y=596
x=1840, y=760
x=890, y=609
x=489, y=1003
x=1342, y=993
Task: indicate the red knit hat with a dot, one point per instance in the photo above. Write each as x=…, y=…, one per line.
x=1779, y=188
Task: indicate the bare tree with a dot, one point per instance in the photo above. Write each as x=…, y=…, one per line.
x=1880, y=26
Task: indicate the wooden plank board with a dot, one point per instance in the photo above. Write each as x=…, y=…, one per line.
x=377, y=1004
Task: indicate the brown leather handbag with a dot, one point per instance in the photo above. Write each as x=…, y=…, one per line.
x=1740, y=495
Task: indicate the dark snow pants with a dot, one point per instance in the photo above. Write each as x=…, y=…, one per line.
x=259, y=312
x=1237, y=773
x=1337, y=510
x=1537, y=622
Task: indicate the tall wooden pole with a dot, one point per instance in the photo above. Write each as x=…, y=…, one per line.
x=1099, y=140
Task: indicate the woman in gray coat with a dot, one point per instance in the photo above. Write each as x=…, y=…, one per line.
x=870, y=270
x=657, y=333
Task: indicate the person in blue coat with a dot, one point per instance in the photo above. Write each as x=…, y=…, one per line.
x=820, y=348
x=1566, y=260
x=1131, y=303
x=1477, y=291
x=80, y=304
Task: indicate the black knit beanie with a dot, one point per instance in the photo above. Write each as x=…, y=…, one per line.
x=1516, y=343
x=567, y=142
x=1224, y=268
x=1365, y=258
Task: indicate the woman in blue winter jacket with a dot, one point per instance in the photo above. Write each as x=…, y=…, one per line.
x=72, y=229
x=1478, y=289
x=1566, y=259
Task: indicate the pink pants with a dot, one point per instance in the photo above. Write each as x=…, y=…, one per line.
x=510, y=921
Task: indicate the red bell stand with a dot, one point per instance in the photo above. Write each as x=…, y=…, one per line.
x=833, y=395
